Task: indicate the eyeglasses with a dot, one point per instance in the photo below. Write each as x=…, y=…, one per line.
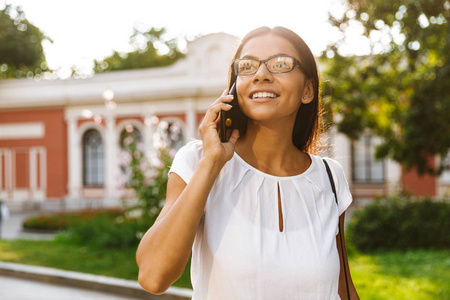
x=276, y=65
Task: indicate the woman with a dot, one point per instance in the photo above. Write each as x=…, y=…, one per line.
x=257, y=212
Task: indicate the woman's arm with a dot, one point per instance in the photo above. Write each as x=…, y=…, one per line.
x=342, y=284
x=164, y=250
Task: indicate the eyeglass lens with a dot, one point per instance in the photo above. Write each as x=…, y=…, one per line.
x=278, y=64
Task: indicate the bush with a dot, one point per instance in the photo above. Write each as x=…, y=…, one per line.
x=401, y=223
x=146, y=176
x=107, y=232
x=63, y=220
x=109, y=228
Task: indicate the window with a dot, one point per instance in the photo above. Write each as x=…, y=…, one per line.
x=170, y=133
x=128, y=135
x=93, y=159
x=445, y=176
x=366, y=168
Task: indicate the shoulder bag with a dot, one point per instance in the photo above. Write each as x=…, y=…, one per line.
x=330, y=176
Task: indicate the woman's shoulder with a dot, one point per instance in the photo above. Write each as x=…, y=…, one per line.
x=186, y=159
x=193, y=147
x=334, y=164
x=342, y=188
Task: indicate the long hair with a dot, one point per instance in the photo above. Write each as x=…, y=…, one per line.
x=308, y=123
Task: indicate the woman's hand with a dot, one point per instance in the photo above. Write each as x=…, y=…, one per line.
x=213, y=148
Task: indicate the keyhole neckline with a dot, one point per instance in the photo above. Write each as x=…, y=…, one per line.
x=281, y=178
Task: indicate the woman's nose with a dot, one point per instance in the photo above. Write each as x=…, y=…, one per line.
x=262, y=74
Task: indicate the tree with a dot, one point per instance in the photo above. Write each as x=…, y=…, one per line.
x=21, y=52
x=401, y=89
x=147, y=52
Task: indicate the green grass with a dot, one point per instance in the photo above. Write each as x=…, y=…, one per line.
x=414, y=274
x=68, y=256
x=110, y=262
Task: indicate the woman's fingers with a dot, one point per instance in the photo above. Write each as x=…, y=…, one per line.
x=213, y=112
x=220, y=104
x=212, y=146
x=223, y=98
x=211, y=120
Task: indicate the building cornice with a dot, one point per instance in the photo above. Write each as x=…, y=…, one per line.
x=202, y=73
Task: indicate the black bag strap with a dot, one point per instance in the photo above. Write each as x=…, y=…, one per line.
x=333, y=187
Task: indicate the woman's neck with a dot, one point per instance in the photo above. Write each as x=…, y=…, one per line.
x=270, y=150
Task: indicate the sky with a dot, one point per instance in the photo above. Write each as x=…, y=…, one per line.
x=84, y=30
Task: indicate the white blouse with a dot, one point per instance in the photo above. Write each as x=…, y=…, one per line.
x=239, y=251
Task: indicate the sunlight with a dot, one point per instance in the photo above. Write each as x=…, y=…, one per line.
x=77, y=41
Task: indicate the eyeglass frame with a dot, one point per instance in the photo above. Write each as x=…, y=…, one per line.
x=296, y=63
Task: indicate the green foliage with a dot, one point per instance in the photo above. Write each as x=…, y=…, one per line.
x=110, y=228
x=148, y=46
x=108, y=232
x=100, y=228
x=401, y=91
x=63, y=220
x=21, y=52
x=401, y=223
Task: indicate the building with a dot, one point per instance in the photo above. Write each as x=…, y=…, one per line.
x=60, y=139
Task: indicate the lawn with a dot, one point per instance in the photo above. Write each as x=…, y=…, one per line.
x=62, y=255
x=414, y=274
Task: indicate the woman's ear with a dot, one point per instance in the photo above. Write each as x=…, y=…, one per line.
x=308, y=92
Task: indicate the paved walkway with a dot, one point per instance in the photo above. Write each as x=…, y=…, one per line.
x=13, y=288
x=12, y=228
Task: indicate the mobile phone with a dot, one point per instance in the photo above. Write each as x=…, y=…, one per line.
x=232, y=119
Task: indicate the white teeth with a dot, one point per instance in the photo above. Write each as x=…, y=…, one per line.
x=264, y=95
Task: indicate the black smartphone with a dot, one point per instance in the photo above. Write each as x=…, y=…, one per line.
x=232, y=119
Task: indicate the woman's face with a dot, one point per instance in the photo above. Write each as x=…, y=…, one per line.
x=287, y=89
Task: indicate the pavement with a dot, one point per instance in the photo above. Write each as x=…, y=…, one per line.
x=24, y=282
x=12, y=288
x=11, y=228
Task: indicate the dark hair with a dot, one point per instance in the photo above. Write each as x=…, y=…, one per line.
x=308, y=123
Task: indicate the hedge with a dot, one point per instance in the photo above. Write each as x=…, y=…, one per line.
x=401, y=223
x=62, y=220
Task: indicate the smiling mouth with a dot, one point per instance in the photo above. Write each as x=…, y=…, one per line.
x=261, y=95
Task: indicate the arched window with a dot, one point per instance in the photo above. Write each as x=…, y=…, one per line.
x=129, y=134
x=171, y=133
x=93, y=159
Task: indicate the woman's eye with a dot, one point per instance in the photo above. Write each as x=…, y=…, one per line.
x=246, y=66
x=281, y=65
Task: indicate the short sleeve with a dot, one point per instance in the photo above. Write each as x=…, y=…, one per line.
x=186, y=160
x=342, y=189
